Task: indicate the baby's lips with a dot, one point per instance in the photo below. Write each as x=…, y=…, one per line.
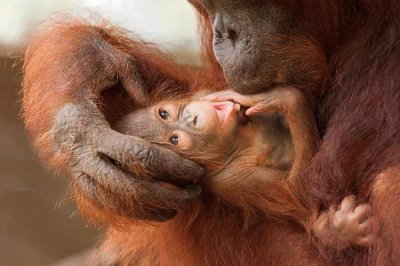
x=223, y=110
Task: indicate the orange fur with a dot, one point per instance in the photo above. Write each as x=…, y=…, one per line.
x=361, y=140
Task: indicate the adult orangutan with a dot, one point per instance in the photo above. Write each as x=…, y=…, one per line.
x=347, y=51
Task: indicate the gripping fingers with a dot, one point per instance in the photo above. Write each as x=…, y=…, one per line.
x=257, y=103
x=137, y=198
x=96, y=153
x=141, y=157
x=162, y=202
x=150, y=191
x=107, y=174
x=230, y=95
x=257, y=109
x=159, y=195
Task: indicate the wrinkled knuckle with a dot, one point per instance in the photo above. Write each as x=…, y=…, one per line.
x=72, y=127
x=127, y=147
x=147, y=155
x=68, y=134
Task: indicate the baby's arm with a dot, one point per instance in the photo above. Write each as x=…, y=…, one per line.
x=298, y=112
x=348, y=225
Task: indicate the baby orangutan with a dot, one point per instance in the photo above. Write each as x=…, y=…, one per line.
x=250, y=200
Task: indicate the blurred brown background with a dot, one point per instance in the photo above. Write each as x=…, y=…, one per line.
x=39, y=224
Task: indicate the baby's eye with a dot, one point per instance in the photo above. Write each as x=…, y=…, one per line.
x=174, y=139
x=163, y=114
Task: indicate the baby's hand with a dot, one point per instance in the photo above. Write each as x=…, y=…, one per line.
x=346, y=226
x=271, y=101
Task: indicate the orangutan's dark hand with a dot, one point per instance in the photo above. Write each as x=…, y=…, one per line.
x=122, y=174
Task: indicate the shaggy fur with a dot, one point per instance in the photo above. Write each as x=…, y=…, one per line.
x=358, y=113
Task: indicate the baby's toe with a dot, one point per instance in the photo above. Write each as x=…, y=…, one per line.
x=362, y=212
x=348, y=203
x=365, y=241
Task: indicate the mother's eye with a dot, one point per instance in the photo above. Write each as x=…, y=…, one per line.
x=163, y=114
x=174, y=139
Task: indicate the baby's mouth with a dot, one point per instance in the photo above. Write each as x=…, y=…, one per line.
x=223, y=110
x=226, y=109
x=242, y=117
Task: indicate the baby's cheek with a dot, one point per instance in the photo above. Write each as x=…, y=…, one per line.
x=186, y=141
x=211, y=126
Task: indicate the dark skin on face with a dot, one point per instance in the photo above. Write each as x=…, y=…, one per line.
x=242, y=146
x=248, y=41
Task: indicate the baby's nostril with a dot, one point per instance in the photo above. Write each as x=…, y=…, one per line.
x=224, y=28
x=228, y=34
x=231, y=34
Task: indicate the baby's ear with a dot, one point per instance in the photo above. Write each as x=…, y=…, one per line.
x=200, y=94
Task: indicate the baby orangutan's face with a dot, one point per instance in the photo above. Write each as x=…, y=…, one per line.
x=197, y=121
x=192, y=126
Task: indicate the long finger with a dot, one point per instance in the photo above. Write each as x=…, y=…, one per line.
x=160, y=195
x=244, y=100
x=105, y=173
x=212, y=96
x=143, y=157
x=120, y=182
x=257, y=109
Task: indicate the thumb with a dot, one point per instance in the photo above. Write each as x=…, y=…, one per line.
x=256, y=109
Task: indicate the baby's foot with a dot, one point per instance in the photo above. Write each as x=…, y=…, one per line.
x=345, y=226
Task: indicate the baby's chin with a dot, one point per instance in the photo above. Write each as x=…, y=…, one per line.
x=233, y=124
x=226, y=185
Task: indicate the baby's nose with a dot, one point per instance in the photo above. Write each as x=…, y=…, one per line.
x=190, y=118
